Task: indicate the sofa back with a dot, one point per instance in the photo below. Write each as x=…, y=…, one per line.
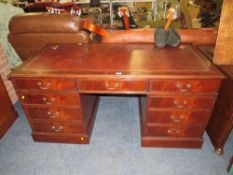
x=30, y=32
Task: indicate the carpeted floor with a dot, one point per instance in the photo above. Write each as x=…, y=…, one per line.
x=114, y=149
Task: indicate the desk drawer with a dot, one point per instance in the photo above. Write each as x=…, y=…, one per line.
x=182, y=102
x=45, y=84
x=175, y=131
x=177, y=117
x=113, y=85
x=50, y=99
x=57, y=127
x=54, y=113
x=185, y=85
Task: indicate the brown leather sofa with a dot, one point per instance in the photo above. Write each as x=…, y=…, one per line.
x=30, y=32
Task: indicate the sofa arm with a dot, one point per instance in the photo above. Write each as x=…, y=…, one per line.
x=30, y=32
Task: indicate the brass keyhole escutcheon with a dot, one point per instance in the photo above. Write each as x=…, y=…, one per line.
x=82, y=138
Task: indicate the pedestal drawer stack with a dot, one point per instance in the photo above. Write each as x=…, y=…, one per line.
x=52, y=107
x=177, y=112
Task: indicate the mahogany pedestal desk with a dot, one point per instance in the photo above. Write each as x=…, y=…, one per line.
x=176, y=88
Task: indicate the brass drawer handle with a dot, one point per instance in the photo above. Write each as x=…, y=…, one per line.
x=47, y=86
x=59, y=129
x=116, y=85
x=185, y=89
x=55, y=47
x=177, y=119
x=48, y=102
x=181, y=105
x=53, y=115
x=173, y=131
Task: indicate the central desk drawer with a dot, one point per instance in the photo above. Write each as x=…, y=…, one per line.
x=57, y=127
x=185, y=85
x=53, y=113
x=181, y=102
x=112, y=85
x=50, y=99
x=45, y=84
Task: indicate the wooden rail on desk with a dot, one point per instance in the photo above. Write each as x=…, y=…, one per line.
x=194, y=36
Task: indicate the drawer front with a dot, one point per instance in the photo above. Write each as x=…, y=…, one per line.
x=45, y=84
x=181, y=102
x=57, y=127
x=53, y=113
x=113, y=85
x=177, y=117
x=185, y=85
x=175, y=131
x=50, y=99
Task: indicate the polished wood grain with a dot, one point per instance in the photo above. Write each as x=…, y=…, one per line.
x=7, y=112
x=119, y=61
x=50, y=99
x=89, y=105
x=54, y=113
x=128, y=86
x=174, y=131
x=57, y=127
x=176, y=81
x=221, y=121
x=182, y=102
x=185, y=85
x=45, y=84
x=178, y=116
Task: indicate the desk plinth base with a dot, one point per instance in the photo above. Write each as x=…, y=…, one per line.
x=61, y=138
x=147, y=141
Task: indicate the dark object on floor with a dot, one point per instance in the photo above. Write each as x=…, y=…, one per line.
x=8, y=113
